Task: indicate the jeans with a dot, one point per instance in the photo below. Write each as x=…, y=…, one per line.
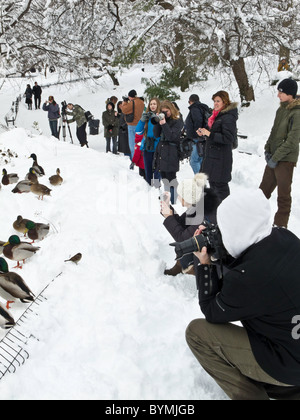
x=115, y=144
x=53, y=128
x=148, y=160
x=196, y=160
x=131, y=138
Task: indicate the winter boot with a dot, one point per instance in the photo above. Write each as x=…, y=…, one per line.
x=177, y=269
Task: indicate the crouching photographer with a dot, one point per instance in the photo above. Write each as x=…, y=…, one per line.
x=261, y=288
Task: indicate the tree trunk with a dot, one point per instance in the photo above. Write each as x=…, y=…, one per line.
x=240, y=74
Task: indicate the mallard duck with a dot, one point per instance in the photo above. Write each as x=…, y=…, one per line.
x=22, y=187
x=12, y=286
x=37, y=231
x=20, y=225
x=56, y=179
x=6, y=320
x=75, y=259
x=31, y=176
x=1, y=246
x=39, y=170
x=18, y=251
x=9, y=178
x=40, y=190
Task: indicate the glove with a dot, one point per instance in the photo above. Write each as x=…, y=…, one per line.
x=268, y=156
x=272, y=164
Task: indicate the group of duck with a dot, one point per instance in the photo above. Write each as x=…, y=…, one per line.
x=12, y=285
x=31, y=181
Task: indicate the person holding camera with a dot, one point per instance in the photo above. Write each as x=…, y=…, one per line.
x=260, y=359
x=53, y=115
x=282, y=151
x=201, y=203
x=195, y=119
x=166, y=158
x=110, y=121
x=149, y=143
x=133, y=108
x=221, y=138
x=78, y=114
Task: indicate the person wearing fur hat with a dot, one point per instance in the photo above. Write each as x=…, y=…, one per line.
x=221, y=139
x=110, y=121
x=201, y=203
x=282, y=150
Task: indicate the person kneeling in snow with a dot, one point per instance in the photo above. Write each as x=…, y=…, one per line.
x=260, y=360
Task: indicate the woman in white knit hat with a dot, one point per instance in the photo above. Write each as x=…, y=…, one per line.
x=201, y=204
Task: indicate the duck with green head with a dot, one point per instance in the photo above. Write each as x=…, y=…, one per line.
x=9, y=178
x=39, y=170
x=18, y=251
x=12, y=286
x=37, y=231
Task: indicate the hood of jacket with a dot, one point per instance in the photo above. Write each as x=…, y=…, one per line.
x=244, y=219
x=292, y=105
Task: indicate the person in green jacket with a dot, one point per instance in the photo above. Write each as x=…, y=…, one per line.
x=282, y=151
x=78, y=114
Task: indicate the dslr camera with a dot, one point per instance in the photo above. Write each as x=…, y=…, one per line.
x=210, y=238
x=125, y=98
x=157, y=118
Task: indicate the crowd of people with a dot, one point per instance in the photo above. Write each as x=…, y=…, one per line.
x=256, y=283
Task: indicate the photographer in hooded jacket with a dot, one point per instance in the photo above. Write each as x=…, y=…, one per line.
x=261, y=289
x=168, y=127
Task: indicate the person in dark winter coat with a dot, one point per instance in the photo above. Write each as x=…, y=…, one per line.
x=37, y=92
x=53, y=115
x=282, y=151
x=201, y=204
x=28, y=96
x=166, y=158
x=110, y=121
x=221, y=139
x=261, y=289
x=195, y=120
x=123, y=144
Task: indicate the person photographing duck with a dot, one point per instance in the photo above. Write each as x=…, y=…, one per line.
x=221, y=138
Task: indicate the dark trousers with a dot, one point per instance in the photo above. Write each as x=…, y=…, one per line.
x=53, y=128
x=282, y=178
x=170, y=182
x=115, y=144
x=37, y=102
x=148, y=160
x=221, y=189
x=81, y=134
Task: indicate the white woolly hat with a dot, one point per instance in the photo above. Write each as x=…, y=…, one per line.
x=244, y=219
x=191, y=190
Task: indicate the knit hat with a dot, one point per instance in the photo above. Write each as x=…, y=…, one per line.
x=132, y=94
x=289, y=87
x=191, y=190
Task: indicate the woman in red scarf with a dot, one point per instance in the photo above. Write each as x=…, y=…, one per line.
x=221, y=139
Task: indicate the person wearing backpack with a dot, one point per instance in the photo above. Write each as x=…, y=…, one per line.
x=132, y=108
x=78, y=114
x=221, y=140
x=197, y=118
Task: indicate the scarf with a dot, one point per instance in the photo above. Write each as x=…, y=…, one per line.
x=212, y=119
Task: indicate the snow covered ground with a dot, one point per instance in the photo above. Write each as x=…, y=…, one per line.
x=113, y=327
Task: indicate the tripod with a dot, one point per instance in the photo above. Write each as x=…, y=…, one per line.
x=63, y=123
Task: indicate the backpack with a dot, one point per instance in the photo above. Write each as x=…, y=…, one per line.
x=207, y=113
x=129, y=118
x=185, y=147
x=88, y=115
